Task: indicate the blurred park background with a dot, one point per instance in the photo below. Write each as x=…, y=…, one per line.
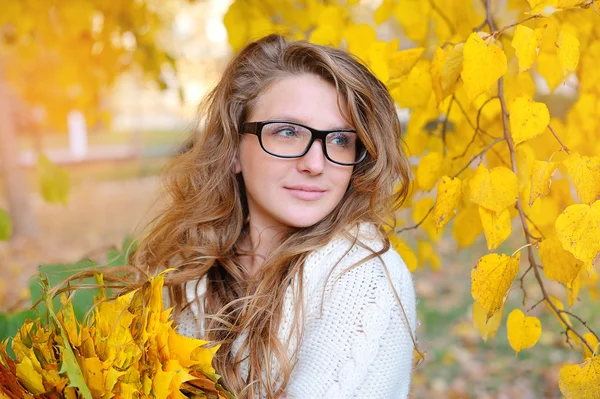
x=106, y=91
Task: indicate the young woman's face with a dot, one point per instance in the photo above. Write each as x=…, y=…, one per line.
x=297, y=192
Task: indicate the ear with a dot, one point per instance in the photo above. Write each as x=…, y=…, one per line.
x=237, y=165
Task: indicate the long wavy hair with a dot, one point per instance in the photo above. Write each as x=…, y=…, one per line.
x=201, y=230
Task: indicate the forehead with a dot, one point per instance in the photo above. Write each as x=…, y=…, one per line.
x=306, y=99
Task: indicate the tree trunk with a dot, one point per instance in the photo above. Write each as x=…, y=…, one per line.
x=23, y=220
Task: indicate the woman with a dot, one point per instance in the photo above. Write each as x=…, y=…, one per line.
x=276, y=227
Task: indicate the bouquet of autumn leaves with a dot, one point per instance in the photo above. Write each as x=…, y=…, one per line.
x=127, y=349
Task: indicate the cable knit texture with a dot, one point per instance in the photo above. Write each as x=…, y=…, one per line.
x=356, y=342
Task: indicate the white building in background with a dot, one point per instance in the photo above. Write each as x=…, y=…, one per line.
x=199, y=43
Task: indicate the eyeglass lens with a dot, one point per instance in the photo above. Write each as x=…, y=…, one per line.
x=288, y=139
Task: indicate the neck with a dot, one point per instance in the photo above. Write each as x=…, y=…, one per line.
x=260, y=243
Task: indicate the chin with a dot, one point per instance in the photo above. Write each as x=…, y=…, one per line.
x=303, y=221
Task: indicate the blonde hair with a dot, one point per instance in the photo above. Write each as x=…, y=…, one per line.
x=200, y=231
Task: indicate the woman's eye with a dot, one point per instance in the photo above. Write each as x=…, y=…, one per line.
x=340, y=140
x=286, y=132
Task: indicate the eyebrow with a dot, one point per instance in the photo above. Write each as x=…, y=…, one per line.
x=290, y=118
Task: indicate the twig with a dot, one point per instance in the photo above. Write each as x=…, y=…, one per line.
x=445, y=124
x=563, y=147
x=495, y=33
x=418, y=224
x=435, y=8
x=530, y=254
x=493, y=143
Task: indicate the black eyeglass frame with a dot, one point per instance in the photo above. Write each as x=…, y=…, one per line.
x=256, y=129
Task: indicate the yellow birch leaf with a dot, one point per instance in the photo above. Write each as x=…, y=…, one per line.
x=384, y=11
x=467, y=226
x=548, y=65
x=359, y=39
x=495, y=189
x=528, y=118
x=413, y=16
x=429, y=170
x=580, y=381
x=378, y=58
x=523, y=331
x=585, y=174
x=496, y=227
x=427, y=254
x=560, y=306
x=559, y=264
x=568, y=52
x=578, y=228
x=483, y=65
x=326, y=35
x=401, y=62
x=593, y=341
x=541, y=175
x=491, y=278
x=487, y=328
x=526, y=43
x=413, y=90
x=452, y=68
x=573, y=289
x=448, y=200
x=445, y=70
x=407, y=254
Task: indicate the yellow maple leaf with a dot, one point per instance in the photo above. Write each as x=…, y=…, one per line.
x=585, y=174
x=528, y=118
x=523, y=331
x=578, y=228
x=429, y=171
x=448, y=199
x=487, y=327
x=407, y=254
x=483, y=65
x=580, y=381
x=495, y=189
x=568, y=52
x=467, y=226
x=491, y=278
x=526, y=43
x=541, y=175
x=559, y=264
x=496, y=227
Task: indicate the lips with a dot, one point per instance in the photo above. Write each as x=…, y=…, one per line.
x=306, y=192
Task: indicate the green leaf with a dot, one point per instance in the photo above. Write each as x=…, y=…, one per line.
x=54, y=181
x=5, y=225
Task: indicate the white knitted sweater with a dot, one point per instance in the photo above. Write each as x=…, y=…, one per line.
x=360, y=346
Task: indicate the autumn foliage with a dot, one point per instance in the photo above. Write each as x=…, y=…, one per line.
x=489, y=157
x=127, y=349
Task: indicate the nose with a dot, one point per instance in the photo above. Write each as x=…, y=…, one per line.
x=313, y=162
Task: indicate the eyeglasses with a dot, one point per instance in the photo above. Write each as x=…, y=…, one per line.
x=293, y=140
